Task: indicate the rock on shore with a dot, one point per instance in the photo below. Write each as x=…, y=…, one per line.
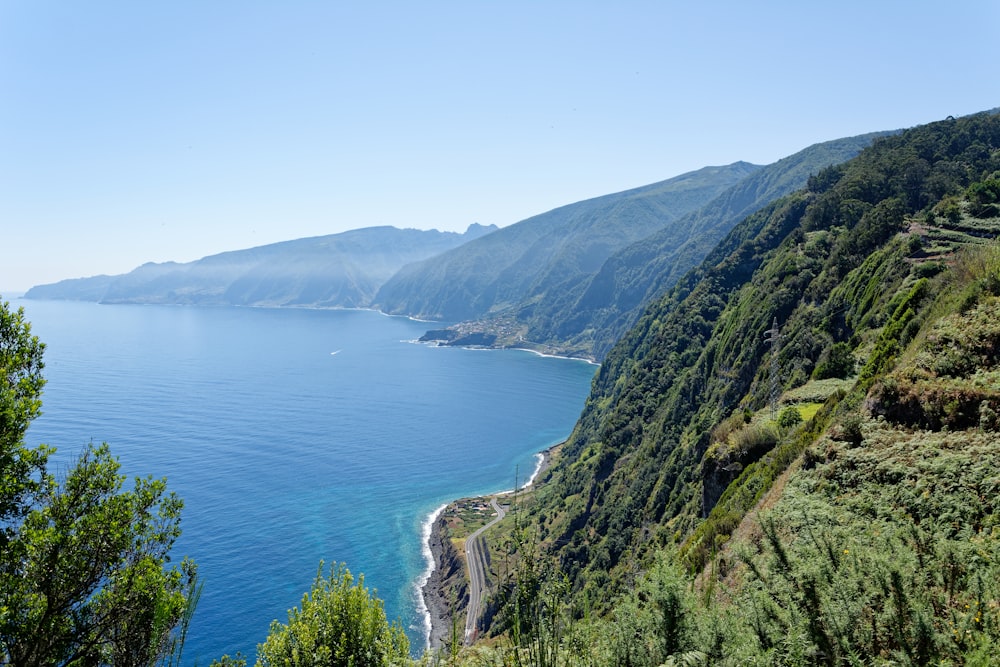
x=446, y=592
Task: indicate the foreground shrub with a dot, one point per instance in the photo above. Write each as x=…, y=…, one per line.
x=340, y=623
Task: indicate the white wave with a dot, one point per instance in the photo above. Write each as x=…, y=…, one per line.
x=425, y=549
x=557, y=356
x=539, y=462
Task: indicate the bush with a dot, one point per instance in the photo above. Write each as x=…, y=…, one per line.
x=789, y=417
x=984, y=198
x=340, y=623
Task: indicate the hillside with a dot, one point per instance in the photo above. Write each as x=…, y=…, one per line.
x=548, y=252
x=585, y=316
x=868, y=493
x=596, y=313
x=337, y=270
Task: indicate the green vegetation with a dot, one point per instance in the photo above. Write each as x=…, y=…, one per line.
x=686, y=522
x=340, y=623
x=596, y=313
x=573, y=280
x=84, y=578
x=864, y=276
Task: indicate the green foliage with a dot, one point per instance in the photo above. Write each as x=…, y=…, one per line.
x=21, y=385
x=746, y=490
x=597, y=312
x=755, y=438
x=838, y=364
x=901, y=598
x=657, y=622
x=83, y=563
x=531, y=599
x=339, y=623
x=949, y=208
x=895, y=334
x=834, y=265
x=984, y=198
x=789, y=417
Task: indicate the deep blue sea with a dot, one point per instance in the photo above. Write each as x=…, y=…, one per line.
x=295, y=436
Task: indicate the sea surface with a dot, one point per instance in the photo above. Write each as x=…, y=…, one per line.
x=295, y=436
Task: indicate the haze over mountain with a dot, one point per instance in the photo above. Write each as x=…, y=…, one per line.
x=574, y=279
x=548, y=252
x=337, y=270
x=595, y=313
x=569, y=281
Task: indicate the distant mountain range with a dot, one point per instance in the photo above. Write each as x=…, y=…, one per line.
x=573, y=280
x=551, y=252
x=338, y=270
x=569, y=281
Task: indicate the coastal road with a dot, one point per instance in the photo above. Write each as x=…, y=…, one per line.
x=476, y=558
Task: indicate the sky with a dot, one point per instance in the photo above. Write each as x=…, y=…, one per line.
x=167, y=130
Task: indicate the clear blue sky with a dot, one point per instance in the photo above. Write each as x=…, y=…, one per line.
x=170, y=130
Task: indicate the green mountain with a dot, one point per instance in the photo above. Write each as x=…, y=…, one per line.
x=549, y=252
x=338, y=270
x=512, y=291
x=791, y=458
x=595, y=313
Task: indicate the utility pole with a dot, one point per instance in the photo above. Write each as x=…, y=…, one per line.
x=773, y=336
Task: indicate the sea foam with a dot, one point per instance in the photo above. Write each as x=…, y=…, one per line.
x=425, y=550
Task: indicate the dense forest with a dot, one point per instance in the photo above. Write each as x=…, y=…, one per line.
x=790, y=459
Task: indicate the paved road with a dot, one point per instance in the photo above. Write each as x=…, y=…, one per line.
x=476, y=559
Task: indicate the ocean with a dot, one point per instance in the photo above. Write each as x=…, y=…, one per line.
x=295, y=436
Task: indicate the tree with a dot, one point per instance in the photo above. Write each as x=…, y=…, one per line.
x=340, y=623
x=838, y=364
x=984, y=198
x=84, y=575
x=21, y=385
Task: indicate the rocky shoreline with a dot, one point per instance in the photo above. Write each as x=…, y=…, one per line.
x=503, y=333
x=446, y=591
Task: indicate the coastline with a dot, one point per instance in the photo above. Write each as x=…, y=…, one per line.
x=431, y=554
x=446, y=568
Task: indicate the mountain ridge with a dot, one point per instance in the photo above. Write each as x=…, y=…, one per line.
x=554, y=248
x=334, y=270
x=675, y=447
x=585, y=315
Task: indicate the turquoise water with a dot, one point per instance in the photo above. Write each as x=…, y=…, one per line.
x=296, y=436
